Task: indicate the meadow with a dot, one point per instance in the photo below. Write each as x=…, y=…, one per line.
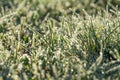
x=59, y=40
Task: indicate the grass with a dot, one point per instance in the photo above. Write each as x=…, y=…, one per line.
x=57, y=40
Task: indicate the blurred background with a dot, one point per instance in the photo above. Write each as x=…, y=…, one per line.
x=57, y=8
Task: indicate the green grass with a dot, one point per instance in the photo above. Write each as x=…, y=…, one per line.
x=59, y=40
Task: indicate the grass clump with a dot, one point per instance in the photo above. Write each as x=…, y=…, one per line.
x=40, y=40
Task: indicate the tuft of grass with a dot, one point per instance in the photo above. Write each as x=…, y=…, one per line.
x=43, y=39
